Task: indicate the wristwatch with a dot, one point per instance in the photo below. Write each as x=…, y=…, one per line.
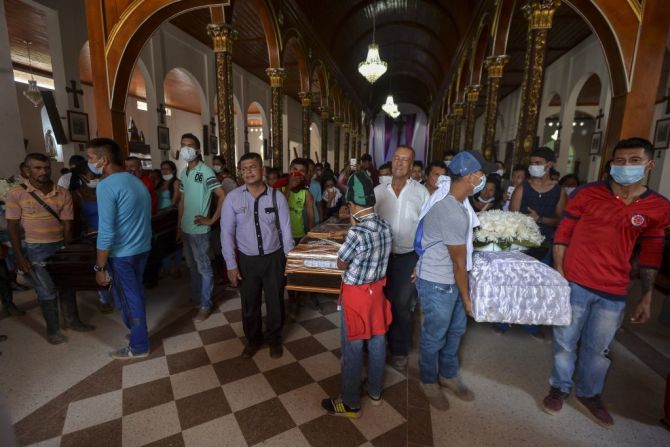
x=98, y=269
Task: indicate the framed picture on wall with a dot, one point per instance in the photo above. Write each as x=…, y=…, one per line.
x=78, y=126
x=596, y=139
x=662, y=134
x=163, y=138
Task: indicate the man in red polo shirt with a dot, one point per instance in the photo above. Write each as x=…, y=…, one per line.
x=593, y=246
x=134, y=167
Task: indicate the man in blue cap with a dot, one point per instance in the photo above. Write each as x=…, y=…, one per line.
x=442, y=279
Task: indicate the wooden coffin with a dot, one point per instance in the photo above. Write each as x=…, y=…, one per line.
x=312, y=265
x=72, y=266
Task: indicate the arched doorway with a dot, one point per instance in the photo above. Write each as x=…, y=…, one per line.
x=586, y=140
x=258, y=139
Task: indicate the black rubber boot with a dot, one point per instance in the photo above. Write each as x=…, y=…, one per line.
x=50, y=312
x=68, y=305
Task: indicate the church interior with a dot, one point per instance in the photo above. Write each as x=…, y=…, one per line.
x=330, y=81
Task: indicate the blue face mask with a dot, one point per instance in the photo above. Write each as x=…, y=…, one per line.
x=480, y=186
x=94, y=168
x=627, y=174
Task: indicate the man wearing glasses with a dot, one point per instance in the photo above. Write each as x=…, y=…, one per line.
x=601, y=226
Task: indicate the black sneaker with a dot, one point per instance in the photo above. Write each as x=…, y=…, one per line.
x=336, y=407
x=249, y=351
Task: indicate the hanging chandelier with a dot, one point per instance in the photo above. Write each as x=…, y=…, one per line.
x=33, y=93
x=390, y=107
x=373, y=67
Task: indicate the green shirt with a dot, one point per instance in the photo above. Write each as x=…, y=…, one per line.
x=296, y=205
x=197, y=185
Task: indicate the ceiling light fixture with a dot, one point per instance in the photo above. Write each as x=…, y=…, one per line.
x=373, y=67
x=33, y=93
x=390, y=107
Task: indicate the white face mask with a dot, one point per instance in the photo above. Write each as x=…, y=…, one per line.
x=500, y=172
x=187, y=154
x=168, y=177
x=217, y=168
x=569, y=189
x=537, y=170
x=93, y=183
x=485, y=200
x=385, y=179
x=447, y=162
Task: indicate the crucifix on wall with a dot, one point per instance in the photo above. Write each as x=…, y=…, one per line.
x=75, y=93
x=161, y=112
x=599, y=117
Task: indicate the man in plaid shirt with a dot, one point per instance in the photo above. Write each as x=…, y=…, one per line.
x=366, y=313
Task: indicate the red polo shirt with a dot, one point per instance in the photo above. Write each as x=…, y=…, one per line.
x=600, y=232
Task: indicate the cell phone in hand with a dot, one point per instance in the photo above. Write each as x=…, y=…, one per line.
x=353, y=162
x=510, y=190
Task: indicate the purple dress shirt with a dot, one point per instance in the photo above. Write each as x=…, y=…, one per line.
x=249, y=224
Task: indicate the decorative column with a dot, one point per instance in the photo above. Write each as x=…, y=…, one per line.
x=494, y=66
x=446, y=131
x=338, y=125
x=458, y=119
x=354, y=144
x=449, y=137
x=306, y=102
x=540, y=14
x=347, y=155
x=324, y=133
x=223, y=37
x=277, y=76
x=471, y=98
x=359, y=148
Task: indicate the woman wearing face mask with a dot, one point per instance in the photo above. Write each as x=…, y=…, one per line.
x=489, y=198
x=569, y=183
x=542, y=199
x=331, y=196
x=168, y=196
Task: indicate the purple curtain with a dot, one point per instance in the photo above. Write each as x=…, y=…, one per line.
x=410, y=120
x=388, y=134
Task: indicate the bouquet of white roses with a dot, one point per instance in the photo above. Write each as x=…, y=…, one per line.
x=507, y=230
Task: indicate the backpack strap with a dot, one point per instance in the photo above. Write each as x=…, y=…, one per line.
x=42, y=203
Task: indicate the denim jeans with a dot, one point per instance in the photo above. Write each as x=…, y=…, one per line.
x=38, y=276
x=595, y=321
x=196, y=251
x=444, y=323
x=352, y=365
x=128, y=291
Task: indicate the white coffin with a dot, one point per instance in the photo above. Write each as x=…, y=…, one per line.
x=512, y=287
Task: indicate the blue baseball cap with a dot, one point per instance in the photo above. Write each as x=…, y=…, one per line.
x=467, y=162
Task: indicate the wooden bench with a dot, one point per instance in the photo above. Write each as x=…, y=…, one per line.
x=72, y=266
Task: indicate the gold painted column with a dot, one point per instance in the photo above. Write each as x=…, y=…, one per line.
x=471, y=98
x=494, y=66
x=306, y=102
x=338, y=124
x=540, y=14
x=277, y=76
x=354, y=145
x=223, y=37
x=458, y=120
x=347, y=155
x=324, y=133
x=451, y=127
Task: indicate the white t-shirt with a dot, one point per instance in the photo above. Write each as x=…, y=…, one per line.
x=64, y=181
x=401, y=212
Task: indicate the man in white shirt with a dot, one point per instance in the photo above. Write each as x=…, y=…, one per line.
x=399, y=203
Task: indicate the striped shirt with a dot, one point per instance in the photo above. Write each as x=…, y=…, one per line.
x=366, y=248
x=41, y=226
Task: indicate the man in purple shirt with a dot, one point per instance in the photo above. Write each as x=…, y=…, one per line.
x=255, y=218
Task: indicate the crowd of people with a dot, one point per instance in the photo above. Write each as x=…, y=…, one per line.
x=409, y=246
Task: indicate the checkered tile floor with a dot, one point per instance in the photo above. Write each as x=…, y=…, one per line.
x=195, y=390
